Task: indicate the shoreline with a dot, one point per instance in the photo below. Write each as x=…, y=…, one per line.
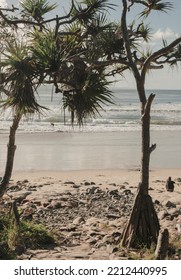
x=107, y=179
x=108, y=176
x=79, y=151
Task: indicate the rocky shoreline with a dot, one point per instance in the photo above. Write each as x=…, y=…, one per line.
x=88, y=218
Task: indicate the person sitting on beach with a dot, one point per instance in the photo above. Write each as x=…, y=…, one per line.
x=170, y=185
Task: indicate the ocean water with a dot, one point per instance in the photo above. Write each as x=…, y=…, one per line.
x=123, y=115
x=111, y=140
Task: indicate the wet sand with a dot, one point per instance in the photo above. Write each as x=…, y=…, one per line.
x=83, y=151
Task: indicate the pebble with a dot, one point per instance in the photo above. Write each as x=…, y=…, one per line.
x=93, y=216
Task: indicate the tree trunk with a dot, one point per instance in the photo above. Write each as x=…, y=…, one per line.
x=146, y=149
x=10, y=154
x=143, y=226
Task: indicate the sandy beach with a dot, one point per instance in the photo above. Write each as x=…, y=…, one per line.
x=82, y=186
x=107, y=179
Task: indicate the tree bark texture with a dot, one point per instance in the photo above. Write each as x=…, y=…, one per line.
x=11, y=147
x=143, y=226
x=146, y=149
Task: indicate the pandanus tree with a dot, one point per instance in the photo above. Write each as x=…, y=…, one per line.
x=122, y=48
x=18, y=74
x=143, y=226
x=53, y=55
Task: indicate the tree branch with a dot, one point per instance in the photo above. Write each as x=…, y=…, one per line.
x=138, y=2
x=126, y=39
x=9, y=9
x=148, y=105
x=158, y=54
x=30, y=22
x=152, y=148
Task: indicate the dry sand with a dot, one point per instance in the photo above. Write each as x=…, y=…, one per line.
x=106, y=178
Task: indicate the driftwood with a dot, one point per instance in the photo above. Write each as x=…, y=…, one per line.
x=162, y=245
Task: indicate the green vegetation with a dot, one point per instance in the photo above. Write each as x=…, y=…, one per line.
x=15, y=239
x=144, y=253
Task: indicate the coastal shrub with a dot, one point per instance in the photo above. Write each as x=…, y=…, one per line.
x=35, y=236
x=174, y=251
x=14, y=240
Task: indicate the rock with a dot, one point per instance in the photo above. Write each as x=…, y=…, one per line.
x=162, y=214
x=25, y=181
x=21, y=196
x=14, y=188
x=114, y=192
x=69, y=183
x=112, y=216
x=73, y=203
x=87, y=183
x=113, y=209
x=178, y=180
x=170, y=204
x=173, y=212
x=178, y=227
x=92, y=241
x=45, y=203
x=157, y=202
x=64, y=198
x=78, y=221
x=110, y=249
x=92, y=190
x=56, y=204
x=37, y=202
x=112, y=184
x=28, y=212
x=76, y=186
x=107, y=239
x=127, y=192
x=39, y=211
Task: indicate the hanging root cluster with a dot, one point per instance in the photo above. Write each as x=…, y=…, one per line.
x=143, y=226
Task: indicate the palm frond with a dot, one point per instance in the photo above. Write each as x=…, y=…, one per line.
x=87, y=10
x=145, y=32
x=165, y=44
x=19, y=71
x=175, y=56
x=99, y=5
x=88, y=101
x=45, y=51
x=21, y=98
x=108, y=44
x=157, y=5
x=36, y=8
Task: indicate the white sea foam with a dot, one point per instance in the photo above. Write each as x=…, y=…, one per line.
x=124, y=115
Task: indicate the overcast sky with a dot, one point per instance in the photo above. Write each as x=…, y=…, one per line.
x=164, y=25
